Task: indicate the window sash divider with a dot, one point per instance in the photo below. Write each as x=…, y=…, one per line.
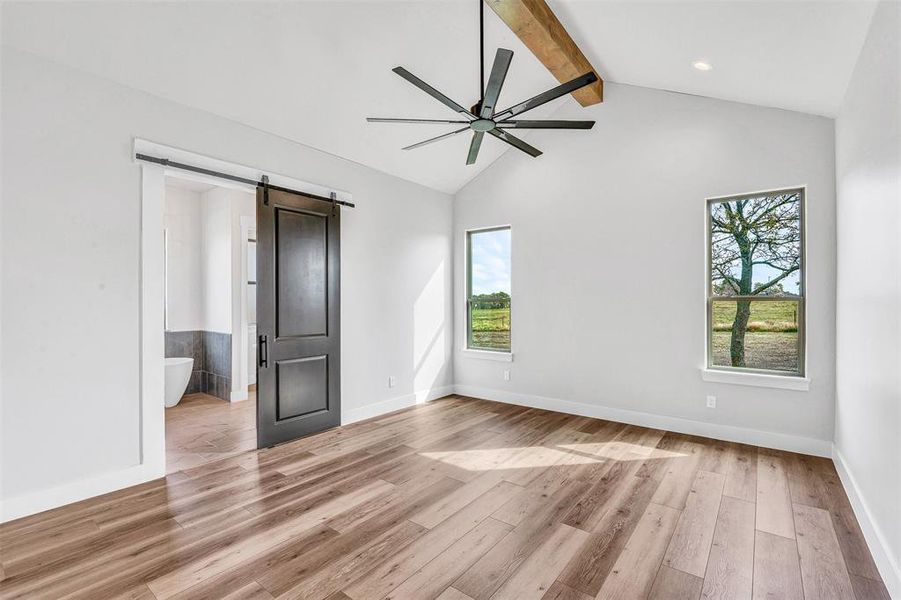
x=757, y=298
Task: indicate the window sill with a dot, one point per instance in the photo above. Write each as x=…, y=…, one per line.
x=782, y=382
x=488, y=355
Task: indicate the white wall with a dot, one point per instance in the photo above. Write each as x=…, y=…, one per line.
x=184, y=292
x=205, y=266
x=868, y=361
x=70, y=305
x=216, y=258
x=608, y=262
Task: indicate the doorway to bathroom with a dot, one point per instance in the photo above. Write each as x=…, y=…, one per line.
x=209, y=241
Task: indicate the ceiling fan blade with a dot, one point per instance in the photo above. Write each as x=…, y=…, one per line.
x=495, y=81
x=435, y=139
x=545, y=124
x=515, y=142
x=551, y=94
x=431, y=91
x=474, y=147
x=386, y=120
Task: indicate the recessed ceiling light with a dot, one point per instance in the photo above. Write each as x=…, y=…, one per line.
x=700, y=65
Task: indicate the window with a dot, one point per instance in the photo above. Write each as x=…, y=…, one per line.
x=488, y=289
x=755, y=283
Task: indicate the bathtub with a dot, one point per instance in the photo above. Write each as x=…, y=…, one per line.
x=178, y=374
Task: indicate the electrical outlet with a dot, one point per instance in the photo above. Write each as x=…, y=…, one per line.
x=506, y=374
x=392, y=381
x=711, y=401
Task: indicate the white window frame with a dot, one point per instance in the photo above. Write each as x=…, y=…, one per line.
x=483, y=353
x=744, y=375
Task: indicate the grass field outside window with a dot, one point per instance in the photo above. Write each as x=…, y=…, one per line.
x=490, y=327
x=771, y=339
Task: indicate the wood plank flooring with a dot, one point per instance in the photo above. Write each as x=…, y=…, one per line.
x=202, y=428
x=460, y=499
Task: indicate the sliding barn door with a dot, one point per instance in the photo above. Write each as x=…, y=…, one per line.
x=298, y=316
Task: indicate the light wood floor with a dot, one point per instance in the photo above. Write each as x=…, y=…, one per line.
x=460, y=499
x=202, y=428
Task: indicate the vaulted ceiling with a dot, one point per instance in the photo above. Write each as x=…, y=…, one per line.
x=312, y=71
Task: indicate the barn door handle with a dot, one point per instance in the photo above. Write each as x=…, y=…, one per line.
x=264, y=351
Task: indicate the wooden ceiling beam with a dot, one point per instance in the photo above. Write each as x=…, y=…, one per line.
x=537, y=26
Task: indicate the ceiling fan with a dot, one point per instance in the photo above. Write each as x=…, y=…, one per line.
x=483, y=118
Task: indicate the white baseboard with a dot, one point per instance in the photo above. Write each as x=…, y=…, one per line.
x=35, y=502
x=886, y=562
x=385, y=406
x=766, y=439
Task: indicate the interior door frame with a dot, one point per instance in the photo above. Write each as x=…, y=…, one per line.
x=151, y=426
